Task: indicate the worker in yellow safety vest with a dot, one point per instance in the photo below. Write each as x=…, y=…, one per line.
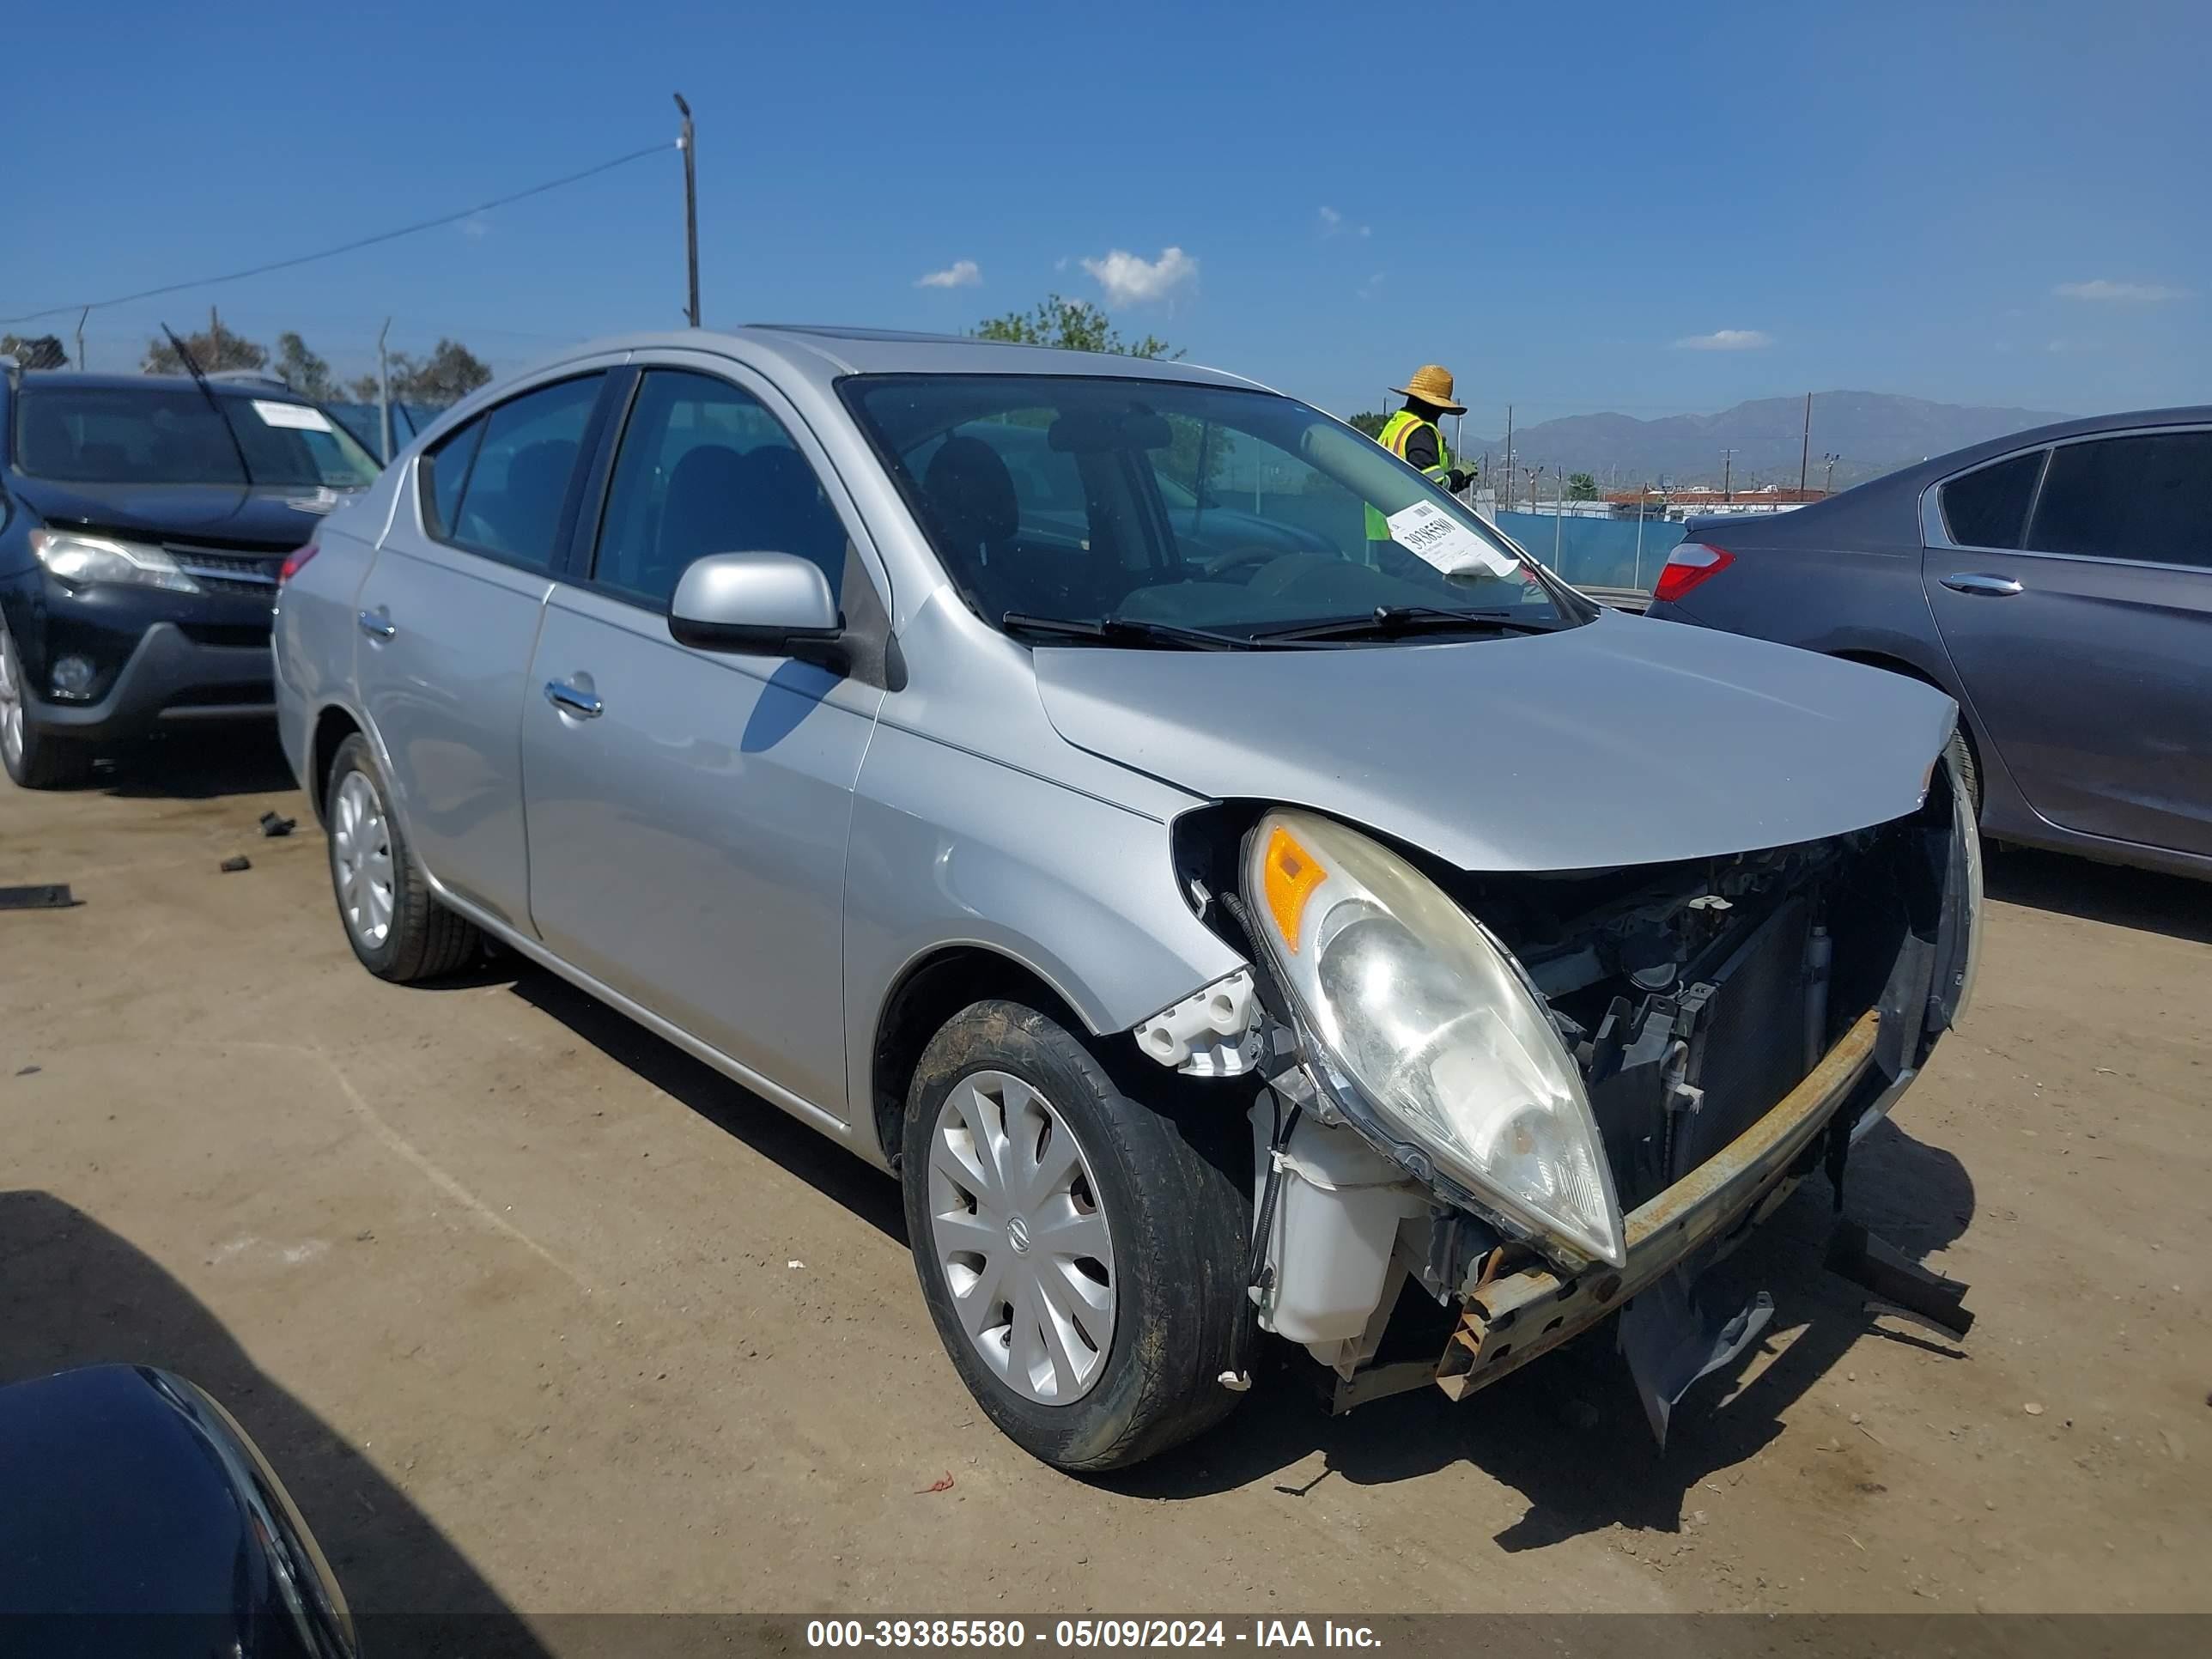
x=1414, y=436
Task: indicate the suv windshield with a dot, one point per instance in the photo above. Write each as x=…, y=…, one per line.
x=1087, y=499
x=170, y=436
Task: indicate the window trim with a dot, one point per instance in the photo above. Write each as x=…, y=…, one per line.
x=557, y=557
x=1935, y=534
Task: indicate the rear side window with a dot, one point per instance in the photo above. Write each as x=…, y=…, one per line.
x=2148, y=497
x=1989, y=508
x=446, y=469
x=508, y=501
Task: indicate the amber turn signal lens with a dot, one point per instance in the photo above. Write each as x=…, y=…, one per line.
x=1289, y=875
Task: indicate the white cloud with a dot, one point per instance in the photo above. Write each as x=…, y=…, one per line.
x=961, y=273
x=1367, y=288
x=2137, y=293
x=1130, y=281
x=1331, y=221
x=1726, y=339
x=474, y=226
x=1367, y=230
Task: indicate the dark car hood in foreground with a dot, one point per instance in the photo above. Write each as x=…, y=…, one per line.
x=1625, y=741
x=262, y=517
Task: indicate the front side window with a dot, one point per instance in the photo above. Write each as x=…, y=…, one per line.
x=1089, y=500
x=1989, y=508
x=501, y=493
x=705, y=468
x=160, y=435
x=2147, y=497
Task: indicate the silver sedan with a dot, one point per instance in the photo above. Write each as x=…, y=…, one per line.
x=1023, y=766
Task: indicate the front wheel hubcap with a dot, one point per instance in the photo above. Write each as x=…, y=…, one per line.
x=11, y=700
x=1025, y=1247
x=361, y=859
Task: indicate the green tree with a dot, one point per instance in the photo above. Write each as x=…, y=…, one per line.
x=34, y=350
x=1369, y=421
x=1581, y=487
x=301, y=369
x=214, y=348
x=450, y=373
x=1072, y=326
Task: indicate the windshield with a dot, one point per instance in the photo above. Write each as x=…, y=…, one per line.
x=1247, y=514
x=170, y=436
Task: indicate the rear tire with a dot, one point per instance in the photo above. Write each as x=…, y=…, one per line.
x=1166, y=1226
x=33, y=759
x=396, y=927
x=1962, y=751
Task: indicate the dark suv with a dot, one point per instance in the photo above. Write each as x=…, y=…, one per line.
x=144, y=524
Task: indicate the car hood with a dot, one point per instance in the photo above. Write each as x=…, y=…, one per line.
x=1624, y=741
x=277, y=519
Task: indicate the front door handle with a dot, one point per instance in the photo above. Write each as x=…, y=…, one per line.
x=1976, y=581
x=377, y=625
x=570, y=701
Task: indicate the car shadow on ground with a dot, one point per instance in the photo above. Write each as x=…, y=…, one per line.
x=2172, y=905
x=196, y=765
x=1568, y=1433
x=800, y=1149
x=73, y=1293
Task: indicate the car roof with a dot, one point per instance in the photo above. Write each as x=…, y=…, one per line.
x=271, y=388
x=826, y=353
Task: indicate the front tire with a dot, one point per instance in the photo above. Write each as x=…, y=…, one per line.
x=1082, y=1256
x=396, y=927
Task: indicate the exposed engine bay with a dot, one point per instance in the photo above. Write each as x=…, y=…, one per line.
x=1736, y=1024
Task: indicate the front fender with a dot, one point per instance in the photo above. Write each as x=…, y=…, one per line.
x=949, y=848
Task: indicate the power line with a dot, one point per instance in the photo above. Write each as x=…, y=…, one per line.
x=347, y=247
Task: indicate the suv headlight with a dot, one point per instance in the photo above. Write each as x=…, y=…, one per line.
x=1430, y=1023
x=81, y=559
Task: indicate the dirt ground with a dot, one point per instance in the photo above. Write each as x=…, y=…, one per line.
x=537, y=1314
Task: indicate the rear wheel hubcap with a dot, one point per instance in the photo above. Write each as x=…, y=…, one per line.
x=361, y=859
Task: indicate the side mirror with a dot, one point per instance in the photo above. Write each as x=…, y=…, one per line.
x=776, y=605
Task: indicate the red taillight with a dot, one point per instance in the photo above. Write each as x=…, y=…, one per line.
x=295, y=562
x=1686, y=566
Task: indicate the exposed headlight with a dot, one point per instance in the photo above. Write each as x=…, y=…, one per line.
x=79, y=558
x=1968, y=834
x=1429, y=1021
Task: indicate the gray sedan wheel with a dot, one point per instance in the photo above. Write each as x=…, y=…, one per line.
x=32, y=758
x=395, y=924
x=1083, y=1253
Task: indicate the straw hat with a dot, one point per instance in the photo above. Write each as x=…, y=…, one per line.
x=1431, y=384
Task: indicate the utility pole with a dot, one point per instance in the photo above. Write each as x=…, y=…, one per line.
x=1508, y=456
x=384, y=394
x=1830, y=459
x=686, y=143
x=1805, y=449
x=80, y=316
x=1728, y=475
x=215, y=337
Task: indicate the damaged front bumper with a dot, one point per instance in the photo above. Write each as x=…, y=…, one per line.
x=1511, y=1318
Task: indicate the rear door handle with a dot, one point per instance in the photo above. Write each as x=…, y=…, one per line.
x=570, y=701
x=378, y=626
x=1976, y=581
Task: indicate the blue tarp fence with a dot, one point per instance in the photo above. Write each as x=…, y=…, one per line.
x=1596, y=552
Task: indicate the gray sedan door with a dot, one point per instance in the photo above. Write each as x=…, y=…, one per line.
x=2086, y=644
x=688, y=810
x=449, y=615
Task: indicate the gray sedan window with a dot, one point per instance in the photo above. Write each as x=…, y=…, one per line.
x=1988, y=507
x=2146, y=497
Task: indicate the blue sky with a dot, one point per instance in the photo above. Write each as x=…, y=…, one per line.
x=1975, y=203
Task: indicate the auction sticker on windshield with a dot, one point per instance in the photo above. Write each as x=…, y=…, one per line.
x=1429, y=532
x=292, y=415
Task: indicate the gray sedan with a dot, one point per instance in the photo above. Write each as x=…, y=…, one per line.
x=2058, y=583
x=1225, y=927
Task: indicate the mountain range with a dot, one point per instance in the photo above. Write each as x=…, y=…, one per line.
x=1871, y=432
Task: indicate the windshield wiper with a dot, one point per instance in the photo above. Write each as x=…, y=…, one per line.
x=1389, y=621
x=215, y=406
x=1130, y=629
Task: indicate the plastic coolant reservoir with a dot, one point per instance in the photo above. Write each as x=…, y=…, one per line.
x=1335, y=1217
